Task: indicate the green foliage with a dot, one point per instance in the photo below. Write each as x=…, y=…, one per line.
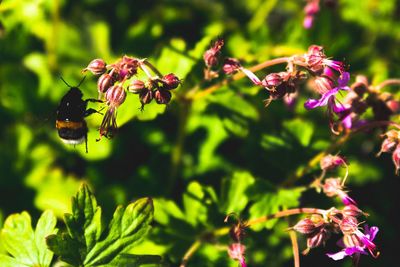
x=199, y=159
x=24, y=246
x=90, y=242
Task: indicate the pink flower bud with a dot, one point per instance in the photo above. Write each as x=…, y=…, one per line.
x=349, y=225
x=97, y=66
x=307, y=226
x=330, y=162
x=396, y=158
x=231, y=65
x=352, y=211
x=323, y=84
x=272, y=80
x=352, y=240
x=136, y=86
x=211, y=55
x=388, y=146
x=236, y=252
x=115, y=95
x=104, y=82
x=171, y=81
x=318, y=238
x=393, y=105
x=162, y=96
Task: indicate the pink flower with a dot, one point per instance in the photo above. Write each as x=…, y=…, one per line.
x=359, y=244
x=236, y=252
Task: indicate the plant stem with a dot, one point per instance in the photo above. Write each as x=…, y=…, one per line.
x=153, y=68
x=388, y=82
x=196, y=95
x=295, y=248
x=189, y=253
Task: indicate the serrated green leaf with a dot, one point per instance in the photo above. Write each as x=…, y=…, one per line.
x=25, y=247
x=86, y=243
x=234, y=198
x=300, y=129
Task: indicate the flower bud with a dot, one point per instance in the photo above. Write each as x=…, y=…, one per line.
x=236, y=251
x=231, y=65
x=323, y=84
x=136, y=86
x=162, y=96
x=96, y=66
x=318, y=238
x=360, y=86
x=388, y=146
x=104, y=82
x=352, y=211
x=146, y=96
x=332, y=186
x=115, y=95
x=272, y=80
x=349, y=225
x=330, y=162
x=306, y=226
x=171, y=81
x=393, y=105
x=211, y=55
x=396, y=158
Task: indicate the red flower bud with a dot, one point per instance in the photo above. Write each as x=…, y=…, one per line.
x=145, y=97
x=171, y=81
x=211, y=55
x=96, y=66
x=162, y=96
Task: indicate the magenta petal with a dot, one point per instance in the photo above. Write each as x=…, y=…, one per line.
x=313, y=103
x=371, y=232
x=343, y=80
x=347, y=122
x=348, y=200
x=251, y=76
x=352, y=250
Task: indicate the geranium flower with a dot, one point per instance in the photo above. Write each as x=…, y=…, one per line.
x=355, y=249
x=329, y=97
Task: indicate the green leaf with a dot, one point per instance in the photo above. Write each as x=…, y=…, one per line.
x=300, y=129
x=272, y=202
x=23, y=245
x=88, y=243
x=234, y=196
x=131, y=260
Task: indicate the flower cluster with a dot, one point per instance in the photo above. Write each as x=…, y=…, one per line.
x=318, y=228
x=116, y=79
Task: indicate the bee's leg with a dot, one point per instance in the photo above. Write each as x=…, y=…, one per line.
x=86, y=146
x=90, y=111
x=94, y=100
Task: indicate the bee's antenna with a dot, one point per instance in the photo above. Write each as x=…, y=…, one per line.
x=81, y=81
x=65, y=81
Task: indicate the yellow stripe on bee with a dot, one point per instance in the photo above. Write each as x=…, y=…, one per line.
x=69, y=124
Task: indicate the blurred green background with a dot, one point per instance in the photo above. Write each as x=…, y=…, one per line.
x=185, y=154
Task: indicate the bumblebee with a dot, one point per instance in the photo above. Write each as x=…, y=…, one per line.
x=71, y=112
